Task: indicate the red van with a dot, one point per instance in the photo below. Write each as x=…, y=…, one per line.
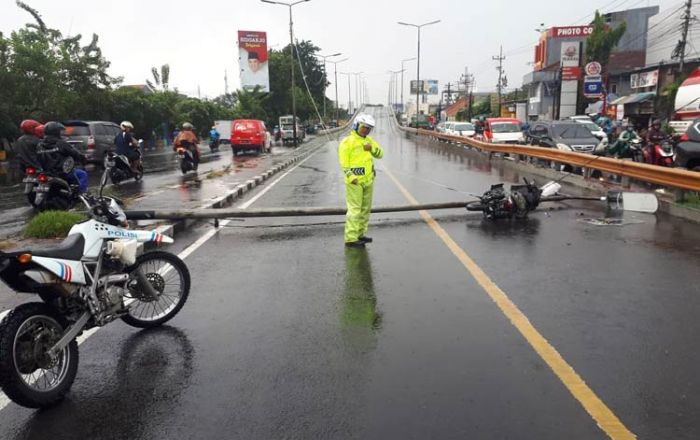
x=249, y=134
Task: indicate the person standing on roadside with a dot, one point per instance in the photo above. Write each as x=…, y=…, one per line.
x=356, y=154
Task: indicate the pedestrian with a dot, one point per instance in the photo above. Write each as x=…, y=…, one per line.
x=356, y=153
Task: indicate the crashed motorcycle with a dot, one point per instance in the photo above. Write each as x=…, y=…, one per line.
x=498, y=203
x=96, y=276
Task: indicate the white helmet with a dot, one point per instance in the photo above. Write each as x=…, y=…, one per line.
x=126, y=124
x=187, y=126
x=364, y=119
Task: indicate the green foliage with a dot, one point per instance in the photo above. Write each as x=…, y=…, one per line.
x=51, y=224
x=46, y=76
x=601, y=42
x=482, y=108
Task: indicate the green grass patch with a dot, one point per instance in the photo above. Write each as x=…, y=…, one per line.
x=692, y=200
x=52, y=224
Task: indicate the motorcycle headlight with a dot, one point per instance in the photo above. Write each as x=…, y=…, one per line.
x=117, y=211
x=564, y=147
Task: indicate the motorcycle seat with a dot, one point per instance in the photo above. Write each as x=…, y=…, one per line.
x=69, y=249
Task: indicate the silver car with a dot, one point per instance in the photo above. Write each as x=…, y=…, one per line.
x=93, y=138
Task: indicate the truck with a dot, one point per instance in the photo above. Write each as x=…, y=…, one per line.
x=687, y=105
x=224, y=129
x=287, y=129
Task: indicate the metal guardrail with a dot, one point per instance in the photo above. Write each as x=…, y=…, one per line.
x=668, y=177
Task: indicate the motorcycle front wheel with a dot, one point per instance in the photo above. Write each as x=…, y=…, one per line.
x=169, y=277
x=28, y=375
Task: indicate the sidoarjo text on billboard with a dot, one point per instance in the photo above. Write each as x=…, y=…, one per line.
x=252, y=59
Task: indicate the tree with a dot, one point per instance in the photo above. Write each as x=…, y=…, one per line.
x=602, y=40
x=161, y=80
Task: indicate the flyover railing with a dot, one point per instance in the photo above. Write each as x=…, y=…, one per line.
x=669, y=177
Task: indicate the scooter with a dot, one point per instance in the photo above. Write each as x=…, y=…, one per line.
x=214, y=145
x=187, y=159
x=96, y=276
x=659, y=153
x=53, y=191
x=121, y=168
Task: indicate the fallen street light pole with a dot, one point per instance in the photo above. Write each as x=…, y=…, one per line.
x=614, y=200
x=276, y=212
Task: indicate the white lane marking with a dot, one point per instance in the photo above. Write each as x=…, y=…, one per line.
x=5, y=401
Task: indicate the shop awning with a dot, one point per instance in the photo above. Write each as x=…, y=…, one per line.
x=634, y=98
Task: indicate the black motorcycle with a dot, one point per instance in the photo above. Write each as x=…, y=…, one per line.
x=497, y=203
x=187, y=157
x=121, y=169
x=53, y=191
x=214, y=145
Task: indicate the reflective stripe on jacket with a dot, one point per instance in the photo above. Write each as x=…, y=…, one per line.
x=355, y=161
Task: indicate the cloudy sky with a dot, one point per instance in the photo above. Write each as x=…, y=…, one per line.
x=198, y=38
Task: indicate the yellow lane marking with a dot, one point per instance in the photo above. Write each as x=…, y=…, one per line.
x=603, y=416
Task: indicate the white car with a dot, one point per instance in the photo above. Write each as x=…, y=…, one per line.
x=440, y=127
x=466, y=129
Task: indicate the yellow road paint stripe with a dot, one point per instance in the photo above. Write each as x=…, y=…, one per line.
x=603, y=416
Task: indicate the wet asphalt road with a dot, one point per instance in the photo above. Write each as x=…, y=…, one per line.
x=287, y=334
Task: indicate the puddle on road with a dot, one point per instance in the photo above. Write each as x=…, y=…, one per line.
x=606, y=221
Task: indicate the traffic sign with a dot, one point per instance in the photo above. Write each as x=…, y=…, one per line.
x=593, y=68
x=593, y=89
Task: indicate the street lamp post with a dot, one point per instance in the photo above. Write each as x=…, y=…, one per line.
x=418, y=26
x=335, y=69
x=348, y=74
x=402, y=70
x=291, y=53
x=325, y=81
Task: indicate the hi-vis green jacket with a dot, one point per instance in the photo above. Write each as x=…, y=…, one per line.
x=355, y=161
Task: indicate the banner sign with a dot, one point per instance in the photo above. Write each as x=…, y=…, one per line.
x=646, y=79
x=571, y=31
x=252, y=59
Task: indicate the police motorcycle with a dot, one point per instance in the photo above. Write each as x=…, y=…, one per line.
x=94, y=277
x=186, y=157
x=120, y=166
x=51, y=191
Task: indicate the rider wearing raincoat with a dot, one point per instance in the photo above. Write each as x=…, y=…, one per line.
x=356, y=154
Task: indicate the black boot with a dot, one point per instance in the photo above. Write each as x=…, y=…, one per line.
x=365, y=239
x=355, y=244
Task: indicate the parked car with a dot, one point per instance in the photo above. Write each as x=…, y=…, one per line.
x=460, y=129
x=440, y=127
x=249, y=134
x=687, y=153
x=565, y=135
x=503, y=131
x=93, y=138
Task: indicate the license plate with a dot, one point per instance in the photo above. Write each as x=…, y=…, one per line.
x=245, y=142
x=29, y=180
x=43, y=188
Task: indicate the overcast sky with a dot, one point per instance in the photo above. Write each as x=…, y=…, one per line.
x=198, y=38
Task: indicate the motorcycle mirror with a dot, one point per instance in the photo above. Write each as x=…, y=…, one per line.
x=103, y=180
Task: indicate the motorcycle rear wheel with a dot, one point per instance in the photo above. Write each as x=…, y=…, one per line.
x=163, y=270
x=27, y=375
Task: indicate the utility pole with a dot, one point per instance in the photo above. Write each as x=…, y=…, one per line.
x=499, y=86
x=679, y=52
x=225, y=82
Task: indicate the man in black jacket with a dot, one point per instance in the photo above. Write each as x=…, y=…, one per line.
x=26, y=145
x=53, y=152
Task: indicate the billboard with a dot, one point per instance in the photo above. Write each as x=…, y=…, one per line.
x=427, y=87
x=433, y=87
x=571, y=31
x=644, y=79
x=252, y=59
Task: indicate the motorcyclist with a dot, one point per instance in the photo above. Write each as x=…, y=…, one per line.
x=654, y=136
x=127, y=145
x=621, y=147
x=53, y=152
x=39, y=132
x=26, y=145
x=214, y=137
x=187, y=139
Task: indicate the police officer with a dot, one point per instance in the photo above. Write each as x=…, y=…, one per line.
x=356, y=153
